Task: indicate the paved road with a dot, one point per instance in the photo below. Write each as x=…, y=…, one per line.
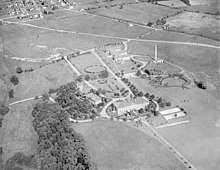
x=24, y=100
x=114, y=37
x=174, y=151
x=111, y=72
x=78, y=73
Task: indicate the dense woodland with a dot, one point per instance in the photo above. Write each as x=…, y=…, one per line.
x=59, y=146
x=71, y=100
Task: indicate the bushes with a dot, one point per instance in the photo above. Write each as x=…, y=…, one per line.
x=11, y=94
x=19, y=70
x=14, y=80
x=3, y=109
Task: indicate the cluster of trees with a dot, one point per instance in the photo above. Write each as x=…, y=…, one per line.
x=14, y=80
x=103, y=74
x=162, y=103
x=3, y=111
x=19, y=70
x=59, y=146
x=132, y=87
x=186, y=2
x=71, y=99
x=11, y=93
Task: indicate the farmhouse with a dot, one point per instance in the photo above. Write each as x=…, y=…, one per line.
x=130, y=105
x=94, y=99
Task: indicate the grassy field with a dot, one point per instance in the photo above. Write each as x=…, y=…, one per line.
x=113, y=145
x=181, y=37
x=164, y=67
x=3, y=90
x=109, y=84
x=198, y=60
x=211, y=8
x=201, y=2
x=83, y=61
x=78, y=22
x=28, y=42
x=42, y=80
x=196, y=23
x=198, y=140
x=140, y=12
x=8, y=68
x=17, y=133
x=172, y=3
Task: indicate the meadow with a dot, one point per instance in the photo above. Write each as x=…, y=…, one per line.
x=196, y=23
x=140, y=12
x=17, y=133
x=113, y=145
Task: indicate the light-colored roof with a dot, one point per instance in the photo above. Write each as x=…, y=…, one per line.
x=93, y=97
x=169, y=111
x=174, y=115
x=126, y=103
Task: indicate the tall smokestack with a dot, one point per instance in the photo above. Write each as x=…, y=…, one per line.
x=155, y=52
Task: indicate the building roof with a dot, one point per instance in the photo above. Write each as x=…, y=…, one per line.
x=169, y=111
x=93, y=97
x=131, y=102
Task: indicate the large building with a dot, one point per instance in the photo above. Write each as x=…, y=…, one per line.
x=130, y=105
x=94, y=99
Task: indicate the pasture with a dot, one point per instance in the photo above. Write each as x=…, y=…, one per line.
x=209, y=8
x=28, y=42
x=203, y=129
x=180, y=37
x=17, y=133
x=42, y=80
x=172, y=3
x=77, y=22
x=139, y=13
x=197, y=24
x=113, y=145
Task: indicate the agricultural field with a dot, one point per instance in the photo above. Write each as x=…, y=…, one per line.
x=3, y=90
x=192, y=58
x=180, y=37
x=209, y=8
x=77, y=22
x=172, y=3
x=195, y=23
x=17, y=133
x=202, y=2
x=49, y=76
x=8, y=68
x=112, y=147
x=28, y=42
x=140, y=12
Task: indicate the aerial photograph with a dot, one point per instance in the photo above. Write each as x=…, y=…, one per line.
x=109, y=84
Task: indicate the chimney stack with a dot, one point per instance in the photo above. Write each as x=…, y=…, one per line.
x=155, y=53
